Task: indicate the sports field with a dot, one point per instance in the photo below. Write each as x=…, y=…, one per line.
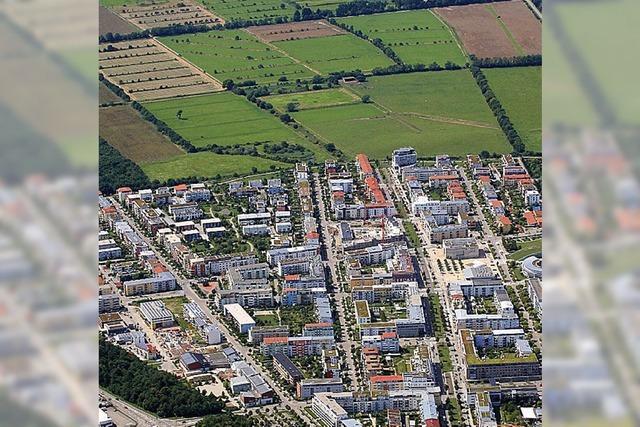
x=313, y=99
x=416, y=36
x=436, y=113
x=344, y=52
x=520, y=93
x=236, y=55
x=249, y=9
x=223, y=119
x=207, y=164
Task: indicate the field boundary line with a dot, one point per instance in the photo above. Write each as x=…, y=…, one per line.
x=283, y=52
x=450, y=120
x=505, y=30
x=453, y=33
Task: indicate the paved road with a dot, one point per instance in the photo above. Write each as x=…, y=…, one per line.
x=285, y=397
x=338, y=293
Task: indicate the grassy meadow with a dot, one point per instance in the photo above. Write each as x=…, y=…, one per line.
x=313, y=99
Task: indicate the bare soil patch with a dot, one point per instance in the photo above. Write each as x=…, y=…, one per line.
x=147, y=70
x=137, y=139
x=111, y=23
x=295, y=31
x=168, y=14
x=106, y=96
x=479, y=30
x=524, y=26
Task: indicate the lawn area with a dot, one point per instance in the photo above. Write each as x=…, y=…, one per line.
x=266, y=319
x=527, y=248
x=174, y=305
x=519, y=90
x=296, y=317
x=207, y=164
x=344, y=52
x=435, y=112
x=313, y=99
x=254, y=9
x=418, y=37
x=225, y=119
x=236, y=55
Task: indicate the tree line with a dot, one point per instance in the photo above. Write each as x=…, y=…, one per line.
x=513, y=61
x=114, y=88
x=376, y=42
x=153, y=390
x=498, y=111
x=117, y=171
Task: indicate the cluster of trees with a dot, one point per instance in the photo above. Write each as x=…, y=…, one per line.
x=164, y=128
x=361, y=7
x=225, y=419
x=496, y=107
x=151, y=389
x=115, y=89
x=117, y=171
x=306, y=14
x=285, y=149
x=428, y=4
x=413, y=68
x=514, y=61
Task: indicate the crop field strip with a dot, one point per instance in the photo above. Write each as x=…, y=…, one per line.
x=416, y=36
x=147, y=70
x=250, y=9
x=295, y=31
x=236, y=55
x=137, y=139
x=344, y=52
x=501, y=29
x=434, y=112
x=313, y=100
x=110, y=22
x=167, y=14
x=519, y=90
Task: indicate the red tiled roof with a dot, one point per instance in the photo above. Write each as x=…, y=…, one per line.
x=386, y=335
x=275, y=340
x=317, y=325
x=292, y=277
x=365, y=166
x=442, y=177
x=180, y=187
x=123, y=190
x=504, y=220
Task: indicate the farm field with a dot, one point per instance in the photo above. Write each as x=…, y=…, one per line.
x=118, y=3
x=250, y=9
x=208, y=164
x=106, y=96
x=321, y=4
x=146, y=70
x=295, y=30
x=520, y=92
x=344, y=52
x=486, y=33
x=416, y=36
x=166, y=14
x=236, y=55
x=226, y=119
x=433, y=112
x=111, y=23
x=137, y=139
x=313, y=99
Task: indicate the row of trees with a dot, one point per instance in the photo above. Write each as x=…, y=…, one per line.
x=115, y=89
x=428, y=4
x=151, y=389
x=413, y=68
x=514, y=61
x=173, y=30
x=496, y=107
x=117, y=171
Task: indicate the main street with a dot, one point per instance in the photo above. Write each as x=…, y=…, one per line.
x=338, y=287
x=285, y=398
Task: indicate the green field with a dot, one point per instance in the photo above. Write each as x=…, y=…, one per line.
x=520, y=93
x=223, y=119
x=416, y=36
x=321, y=4
x=530, y=247
x=207, y=164
x=236, y=55
x=314, y=99
x=344, y=52
x=118, y=3
x=436, y=113
x=250, y=9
